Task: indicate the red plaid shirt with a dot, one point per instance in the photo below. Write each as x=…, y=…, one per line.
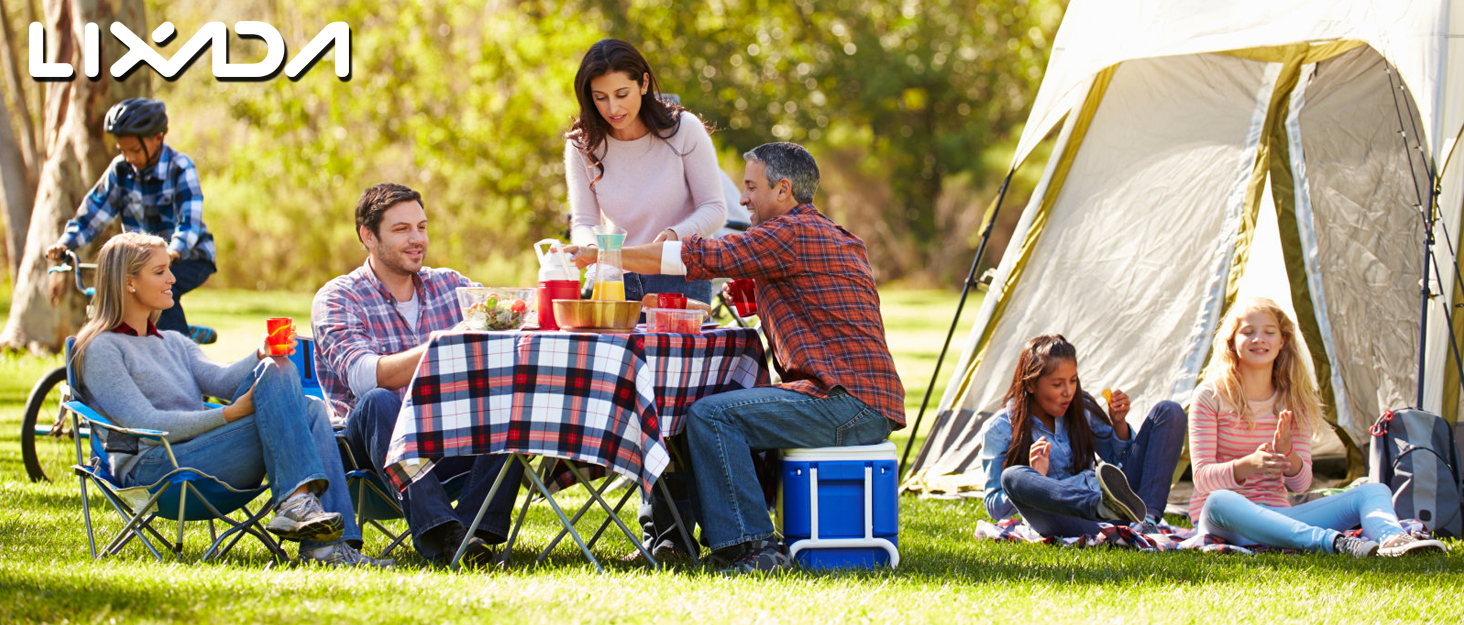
x=818, y=303
x=355, y=315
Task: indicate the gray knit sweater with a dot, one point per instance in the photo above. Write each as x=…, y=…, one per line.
x=157, y=383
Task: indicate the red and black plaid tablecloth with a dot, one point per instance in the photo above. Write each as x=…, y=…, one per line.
x=604, y=399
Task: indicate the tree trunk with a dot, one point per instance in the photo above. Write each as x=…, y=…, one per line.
x=76, y=155
x=25, y=128
x=17, y=195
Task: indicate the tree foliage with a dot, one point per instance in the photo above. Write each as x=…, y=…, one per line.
x=469, y=105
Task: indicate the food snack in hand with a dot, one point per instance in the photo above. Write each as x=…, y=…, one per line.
x=1108, y=396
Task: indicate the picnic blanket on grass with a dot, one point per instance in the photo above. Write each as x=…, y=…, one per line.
x=1163, y=537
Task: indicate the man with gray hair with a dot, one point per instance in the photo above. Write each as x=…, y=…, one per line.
x=820, y=309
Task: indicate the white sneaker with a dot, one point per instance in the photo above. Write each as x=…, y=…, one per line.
x=1410, y=543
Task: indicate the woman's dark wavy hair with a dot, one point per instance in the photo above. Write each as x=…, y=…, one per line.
x=589, y=129
x=1039, y=357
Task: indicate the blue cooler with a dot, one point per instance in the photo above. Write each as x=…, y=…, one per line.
x=838, y=508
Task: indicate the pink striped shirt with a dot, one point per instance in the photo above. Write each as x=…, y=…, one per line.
x=1218, y=437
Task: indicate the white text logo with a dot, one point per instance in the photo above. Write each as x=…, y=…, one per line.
x=336, y=34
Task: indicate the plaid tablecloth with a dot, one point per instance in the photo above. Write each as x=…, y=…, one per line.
x=604, y=399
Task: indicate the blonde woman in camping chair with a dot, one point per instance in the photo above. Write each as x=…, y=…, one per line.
x=146, y=379
x=1253, y=420
x=1038, y=451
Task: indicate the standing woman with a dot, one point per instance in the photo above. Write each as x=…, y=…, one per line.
x=1038, y=452
x=635, y=161
x=146, y=379
x=1254, y=417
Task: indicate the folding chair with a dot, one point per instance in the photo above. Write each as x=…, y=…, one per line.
x=184, y=494
x=304, y=359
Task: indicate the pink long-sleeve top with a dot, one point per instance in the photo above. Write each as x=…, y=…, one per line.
x=650, y=184
x=1218, y=437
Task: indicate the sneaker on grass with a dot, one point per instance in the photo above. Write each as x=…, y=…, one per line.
x=301, y=518
x=342, y=554
x=764, y=556
x=1408, y=542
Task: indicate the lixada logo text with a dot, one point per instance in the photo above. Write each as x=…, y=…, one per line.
x=336, y=34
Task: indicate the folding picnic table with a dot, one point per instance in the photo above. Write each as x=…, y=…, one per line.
x=602, y=399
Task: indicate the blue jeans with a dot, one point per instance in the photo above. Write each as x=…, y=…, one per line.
x=426, y=502
x=638, y=285
x=189, y=275
x=287, y=438
x=1311, y=526
x=1069, y=507
x=724, y=429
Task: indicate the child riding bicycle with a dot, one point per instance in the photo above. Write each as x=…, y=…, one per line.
x=155, y=190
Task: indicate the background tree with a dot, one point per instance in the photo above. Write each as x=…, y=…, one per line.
x=19, y=156
x=77, y=152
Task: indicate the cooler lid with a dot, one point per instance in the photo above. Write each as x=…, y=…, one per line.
x=879, y=451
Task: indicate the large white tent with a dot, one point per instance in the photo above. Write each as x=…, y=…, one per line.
x=1204, y=150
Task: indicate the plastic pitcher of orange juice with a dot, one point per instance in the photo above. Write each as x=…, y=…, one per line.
x=609, y=277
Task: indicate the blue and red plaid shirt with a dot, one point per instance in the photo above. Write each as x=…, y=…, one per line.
x=164, y=200
x=355, y=315
x=818, y=302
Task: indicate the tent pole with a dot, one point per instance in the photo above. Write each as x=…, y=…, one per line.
x=965, y=292
x=1423, y=306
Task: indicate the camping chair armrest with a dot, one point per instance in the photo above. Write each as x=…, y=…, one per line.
x=209, y=404
x=96, y=419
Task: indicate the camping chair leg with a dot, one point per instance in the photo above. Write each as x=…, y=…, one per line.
x=577, y=516
x=238, y=529
x=182, y=508
x=396, y=539
x=539, y=484
x=213, y=532
x=634, y=540
x=478, y=520
x=131, y=527
x=91, y=539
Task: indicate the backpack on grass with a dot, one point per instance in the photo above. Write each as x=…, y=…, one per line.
x=1414, y=454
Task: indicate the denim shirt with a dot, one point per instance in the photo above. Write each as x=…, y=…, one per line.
x=996, y=437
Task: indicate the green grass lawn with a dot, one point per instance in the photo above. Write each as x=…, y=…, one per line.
x=945, y=575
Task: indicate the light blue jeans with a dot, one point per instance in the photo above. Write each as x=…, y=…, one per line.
x=1311, y=526
x=724, y=429
x=287, y=438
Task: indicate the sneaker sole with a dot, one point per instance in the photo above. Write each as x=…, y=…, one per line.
x=1118, y=496
x=1420, y=547
x=322, y=531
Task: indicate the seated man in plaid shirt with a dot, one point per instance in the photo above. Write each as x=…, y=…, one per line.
x=820, y=310
x=154, y=188
x=371, y=328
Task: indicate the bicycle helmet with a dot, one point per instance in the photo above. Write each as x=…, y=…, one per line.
x=137, y=117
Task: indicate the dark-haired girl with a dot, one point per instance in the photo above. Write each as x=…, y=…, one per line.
x=1038, y=451
x=636, y=161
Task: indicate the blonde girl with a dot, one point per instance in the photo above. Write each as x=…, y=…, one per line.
x=1251, y=425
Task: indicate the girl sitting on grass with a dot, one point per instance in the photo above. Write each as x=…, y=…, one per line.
x=1038, y=451
x=146, y=379
x=1252, y=422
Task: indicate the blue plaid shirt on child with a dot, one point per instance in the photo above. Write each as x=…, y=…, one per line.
x=165, y=200
x=355, y=315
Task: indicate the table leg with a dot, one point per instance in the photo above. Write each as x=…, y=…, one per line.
x=478, y=520
x=577, y=516
x=513, y=534
x=635, y=540
x=538, y=483
x=618, y=506
x=681, y=527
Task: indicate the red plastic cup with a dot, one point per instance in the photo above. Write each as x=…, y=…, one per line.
x=744, y=296
x=550, y=290
x=278, y=332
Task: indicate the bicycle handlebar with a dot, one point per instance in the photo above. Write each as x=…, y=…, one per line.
x=73, y=265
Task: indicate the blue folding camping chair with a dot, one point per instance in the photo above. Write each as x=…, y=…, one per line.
x=184, y=494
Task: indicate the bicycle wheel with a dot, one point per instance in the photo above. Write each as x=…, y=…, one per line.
x=46, y=457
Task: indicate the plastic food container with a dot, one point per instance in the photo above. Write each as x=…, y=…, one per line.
x=674, y=320
x=496, y=308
